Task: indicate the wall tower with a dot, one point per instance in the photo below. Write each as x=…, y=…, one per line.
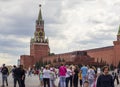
x=117, y=49
x=39, y=45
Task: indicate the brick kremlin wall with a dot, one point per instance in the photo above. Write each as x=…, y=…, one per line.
x=27, y=61
x=116, y=52
x=66, y=56
x=106, y=54
x=75, y=57
x=39, y=50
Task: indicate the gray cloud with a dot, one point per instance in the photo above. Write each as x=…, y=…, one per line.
x=99, y=37
x=53, y=32
x=11, y=43
x=6, y=0
x=79, y=24
x=12, y=51
x=18, y=26
x=11, y=46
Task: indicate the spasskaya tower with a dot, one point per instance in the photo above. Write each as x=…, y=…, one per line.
x=39, y=44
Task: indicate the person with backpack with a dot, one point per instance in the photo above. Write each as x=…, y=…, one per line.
x=91, y=76
x=5, y=74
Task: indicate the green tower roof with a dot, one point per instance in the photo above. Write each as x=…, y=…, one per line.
x=119, y=31
x=40, y=14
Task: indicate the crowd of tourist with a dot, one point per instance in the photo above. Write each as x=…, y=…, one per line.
x=64, y=76
x=74, y=76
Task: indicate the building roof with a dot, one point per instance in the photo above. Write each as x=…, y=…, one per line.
x=102, y=48
x=40, y=14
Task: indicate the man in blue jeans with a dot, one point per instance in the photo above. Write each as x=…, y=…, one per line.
x=62, y=74
x=84, y=70
x=5, y=74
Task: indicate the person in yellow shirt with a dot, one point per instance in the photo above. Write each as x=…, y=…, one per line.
x=80, y=77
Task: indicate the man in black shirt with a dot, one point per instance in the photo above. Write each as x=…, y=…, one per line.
x=22, y=76
x=5, y=74
x=19, y=75
x=16, y=77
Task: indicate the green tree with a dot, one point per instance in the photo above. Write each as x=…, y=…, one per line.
x=63, y=60
x=97, y=60
x=111, y=67
x=49, y=62
x=37, y=65
x=118, y=65
x=59, y=60
x=54, y=61
x=45, y=62
x=51, y=54
x=101, y=61
x=41, y=64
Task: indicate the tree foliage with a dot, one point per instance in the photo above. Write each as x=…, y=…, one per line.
x=39, y=64
x=118, y=65
x=59, y=60
x=63, y=60
x=111, y=67
x=49, y=62
x=51, y=54
x=54, y=61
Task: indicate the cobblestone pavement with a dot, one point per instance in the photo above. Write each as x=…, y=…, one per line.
x=32, y=81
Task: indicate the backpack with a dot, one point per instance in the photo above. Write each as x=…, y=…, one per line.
x=90, y=74
x=4, y=70
x=118, y=71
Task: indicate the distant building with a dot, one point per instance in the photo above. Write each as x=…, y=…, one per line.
x=18, y=62
x=40, y=51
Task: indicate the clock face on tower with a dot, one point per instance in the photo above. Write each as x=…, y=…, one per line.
x=41, y=34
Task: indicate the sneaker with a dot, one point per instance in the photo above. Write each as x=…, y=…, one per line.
x=6, y=84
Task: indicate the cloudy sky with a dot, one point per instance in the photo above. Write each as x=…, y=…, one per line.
x=69, y=24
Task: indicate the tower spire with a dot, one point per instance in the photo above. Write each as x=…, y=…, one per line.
x=119, y=31
x=40, y=14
